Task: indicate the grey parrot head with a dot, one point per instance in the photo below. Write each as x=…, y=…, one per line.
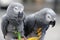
x=50, y=17
x=47, y=16
x=15, y=10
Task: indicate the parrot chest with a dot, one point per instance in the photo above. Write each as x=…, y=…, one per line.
x=13, y=23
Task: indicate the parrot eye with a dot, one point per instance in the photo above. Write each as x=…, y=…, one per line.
x=48, y=17
x=16, y=9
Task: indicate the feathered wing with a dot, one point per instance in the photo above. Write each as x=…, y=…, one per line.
x=4, y=25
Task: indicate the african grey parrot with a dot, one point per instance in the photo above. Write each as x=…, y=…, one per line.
x=13, y=20
x=41, y=19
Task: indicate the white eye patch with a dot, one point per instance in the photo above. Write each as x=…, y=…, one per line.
x=54, y=18
x=48, y=17
x=16, y=9
x=21, y=9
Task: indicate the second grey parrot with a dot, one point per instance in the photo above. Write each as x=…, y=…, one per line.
x=13, y=20
x=41, y=19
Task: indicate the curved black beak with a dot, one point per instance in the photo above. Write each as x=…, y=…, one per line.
x=52, y=23
x=20, y=14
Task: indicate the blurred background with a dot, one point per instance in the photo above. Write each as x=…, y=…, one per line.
x=31, y=6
